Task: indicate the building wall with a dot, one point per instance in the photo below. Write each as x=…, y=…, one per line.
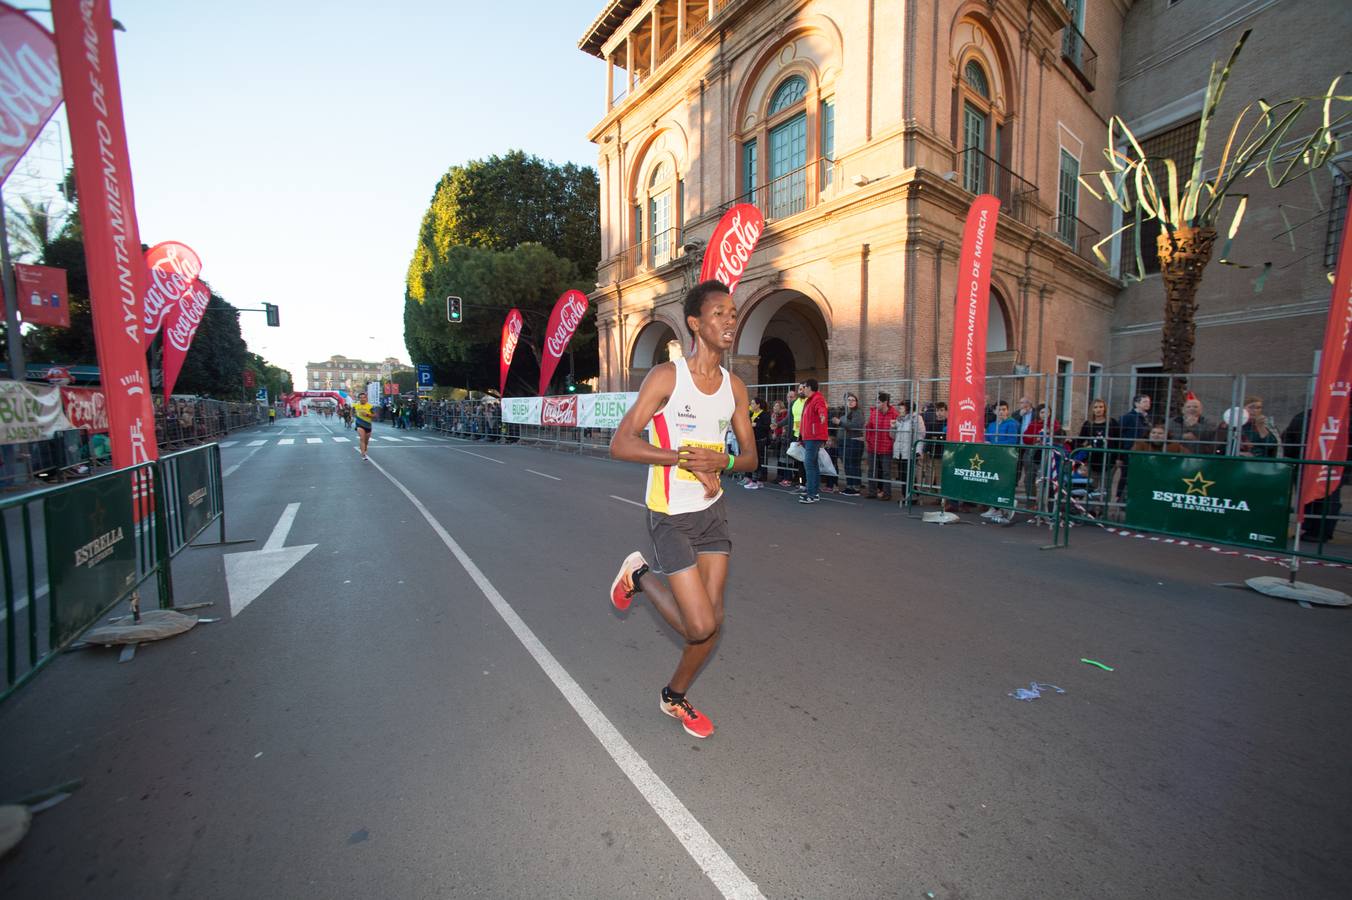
x=1247, y=321
x=858, y=267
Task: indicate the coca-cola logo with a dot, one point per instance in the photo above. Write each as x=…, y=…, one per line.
x=559, y=411
x=190, y=309
x=30, y=84
x=174, y=268
x=510, y=341
x=570, y=316
x=86, y=408
x=733, y=242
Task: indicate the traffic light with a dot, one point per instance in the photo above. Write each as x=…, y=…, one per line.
x=274, y=320
x=570, y=384
x=454, y=315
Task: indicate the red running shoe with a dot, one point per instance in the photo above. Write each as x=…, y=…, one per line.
x=622, y=588
x=695, y=723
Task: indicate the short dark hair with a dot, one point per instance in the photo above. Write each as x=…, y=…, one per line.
x=884, y=397
x=1138, y=398
x=695, y=297
x=759, y=401
x=905, y=405
x=1000, y=403
x=810, y=383
x=941, y=405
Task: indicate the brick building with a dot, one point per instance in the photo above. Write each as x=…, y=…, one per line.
x=862, y=129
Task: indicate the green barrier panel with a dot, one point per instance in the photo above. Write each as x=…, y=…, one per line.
x=192, y=471
x=1229, y=500
x=91, y=551
x=980, y=473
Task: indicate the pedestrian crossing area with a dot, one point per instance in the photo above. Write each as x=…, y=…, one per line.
x=334, y=439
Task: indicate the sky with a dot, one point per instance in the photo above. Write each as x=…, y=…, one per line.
x=295, y=146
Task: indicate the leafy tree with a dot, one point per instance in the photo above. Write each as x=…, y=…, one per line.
x=276, y=380
x=528, y=277
x=218, y=355
x=33, y=229
x=507, y=231
x=73, y=346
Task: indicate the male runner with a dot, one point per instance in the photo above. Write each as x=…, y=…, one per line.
x=363, y=413
x=686, y=406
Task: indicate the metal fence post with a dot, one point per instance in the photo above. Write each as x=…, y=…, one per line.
x=160, y=520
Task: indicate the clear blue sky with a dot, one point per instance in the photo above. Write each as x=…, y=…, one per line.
x=295, y=146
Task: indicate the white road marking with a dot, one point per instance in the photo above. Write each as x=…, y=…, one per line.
x=249, y=574
x=257, y=443
x=225, y=444
x=231, y=471
x=543, y=475
x=314, y=440
x=480, y=455
x=284, y=442
x=388, y=438
x=414, y=439
x=630, y=502
x=343, y=440
x=726, y=875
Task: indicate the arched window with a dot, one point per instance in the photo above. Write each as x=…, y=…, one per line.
x=660, y=220
x=975, y=77
x=790, y=92
x=980, y=134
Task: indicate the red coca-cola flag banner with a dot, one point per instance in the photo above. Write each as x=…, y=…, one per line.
x=43, y=297
x=173, y=269
x=967, y=373
x=731, y=245
x=563, y=321
x=86, y=408
x=1326, y=430
x=511, y=333
x=561, y=411
x=84, y=43
x=179, y=329
x=30, y=84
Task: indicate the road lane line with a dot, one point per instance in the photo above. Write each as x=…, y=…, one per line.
x=630, y=502
x=282, y=528
x=721, y=869
x=286, y=442
x=225, y=444
x=543, y=475
x=314, y=440
x=231, y=471
x=342, y=440
x=257, y=443
x=480, y=455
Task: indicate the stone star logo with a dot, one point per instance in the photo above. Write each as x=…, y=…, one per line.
x=1197, y=484
x=975, y=462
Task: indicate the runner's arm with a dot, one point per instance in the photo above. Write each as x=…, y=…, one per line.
x=748, y=458
x=628, y=443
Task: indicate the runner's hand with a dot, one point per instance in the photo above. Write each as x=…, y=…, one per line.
x=710, y=482
x=702, y=459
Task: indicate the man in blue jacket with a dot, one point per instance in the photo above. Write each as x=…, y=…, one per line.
x=1003, y=430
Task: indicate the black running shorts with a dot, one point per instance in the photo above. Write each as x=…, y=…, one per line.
x=679, y=539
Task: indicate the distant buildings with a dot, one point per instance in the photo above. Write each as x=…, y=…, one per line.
x=862, y=131
x=338, y=373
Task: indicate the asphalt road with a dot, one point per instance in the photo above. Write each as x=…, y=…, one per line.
x=415, y=713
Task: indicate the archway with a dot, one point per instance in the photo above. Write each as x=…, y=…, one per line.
x=654, y=345
x=782, y=340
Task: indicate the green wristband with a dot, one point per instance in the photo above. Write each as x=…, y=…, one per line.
x=732, y=460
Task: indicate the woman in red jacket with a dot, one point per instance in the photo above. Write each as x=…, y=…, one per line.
x=878, y=442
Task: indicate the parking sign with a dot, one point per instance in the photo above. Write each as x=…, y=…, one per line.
x=424, y=375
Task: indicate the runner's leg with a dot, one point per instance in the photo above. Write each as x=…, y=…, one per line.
x=700, y=626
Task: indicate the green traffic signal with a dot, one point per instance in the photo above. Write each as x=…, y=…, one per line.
x=453, y=310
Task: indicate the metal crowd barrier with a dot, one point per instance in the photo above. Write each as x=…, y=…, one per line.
x=72, y=552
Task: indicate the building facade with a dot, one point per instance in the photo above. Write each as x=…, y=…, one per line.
x=339, y=373
x=862, y=130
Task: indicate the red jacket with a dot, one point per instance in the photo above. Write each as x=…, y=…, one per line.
x=878, y=431
x=813, y=427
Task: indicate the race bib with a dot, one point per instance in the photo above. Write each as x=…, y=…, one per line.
x=684, y=475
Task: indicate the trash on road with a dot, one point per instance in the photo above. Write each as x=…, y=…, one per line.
x=1034, y=690
x=1095, y=662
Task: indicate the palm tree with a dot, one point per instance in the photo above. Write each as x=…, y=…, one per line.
x=1189, y=211
x=33, y=228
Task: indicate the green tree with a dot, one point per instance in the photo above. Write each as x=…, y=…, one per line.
x=73, y=346
x=466, y=355
x=33, y=228
x=266, y=375
x=534, y=231
x=218, y=356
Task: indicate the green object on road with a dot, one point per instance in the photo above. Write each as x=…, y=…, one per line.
x=1095, y=662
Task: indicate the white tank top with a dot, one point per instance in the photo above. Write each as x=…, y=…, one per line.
x=690, y=418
